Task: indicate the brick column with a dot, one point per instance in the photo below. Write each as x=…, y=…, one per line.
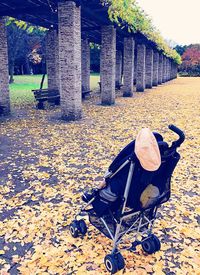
x=135, y=66
x=118, y=76
x=70, y=60
x=155, y=68
x=108, y=64
x=52, y=59
x=85, y=65
x=170, y=69
x=149, y=68
x=129, y=45
x=176, y=71
x=172, y=73
x=167, y=69
x=140, y=79
x=160, y=68
x=4, y=75
x=164, y=70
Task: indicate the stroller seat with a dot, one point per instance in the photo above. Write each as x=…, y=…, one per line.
x=141, y=178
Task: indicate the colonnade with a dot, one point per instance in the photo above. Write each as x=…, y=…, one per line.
x=68, y=63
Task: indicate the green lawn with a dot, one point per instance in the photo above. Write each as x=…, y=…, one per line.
x=20, y=90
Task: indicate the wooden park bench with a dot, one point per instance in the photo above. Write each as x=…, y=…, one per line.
x=42, y=95
x=85, y=93
x=51, y=96
x=1, y=109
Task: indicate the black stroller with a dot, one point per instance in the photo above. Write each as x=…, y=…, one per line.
x=126, y=216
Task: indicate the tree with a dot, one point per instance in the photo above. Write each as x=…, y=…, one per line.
x=95, y=57
x=16, y=46
x=191, y=57
x=180, y=49
x=23, y=38
x=191, y=61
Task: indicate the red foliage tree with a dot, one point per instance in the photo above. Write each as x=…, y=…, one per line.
x=191, y=56
x=190, y=61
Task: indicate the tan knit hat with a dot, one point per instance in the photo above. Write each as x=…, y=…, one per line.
x=147, y=150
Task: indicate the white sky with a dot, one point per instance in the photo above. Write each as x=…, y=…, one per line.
x=177, y=20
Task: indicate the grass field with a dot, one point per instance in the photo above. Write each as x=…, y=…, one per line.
x=20, y=90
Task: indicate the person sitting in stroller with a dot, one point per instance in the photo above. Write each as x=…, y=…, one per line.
x=148, y=154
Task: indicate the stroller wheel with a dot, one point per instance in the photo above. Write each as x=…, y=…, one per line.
x=74, y=229
x=157, y=242
x=120, y=261
x=82, y=227
x=151, y=245
x=111, y=263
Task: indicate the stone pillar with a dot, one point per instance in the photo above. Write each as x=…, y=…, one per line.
x=135, y=66
x=160, y=68
x=129, y=45
x=176, y=71
x=171, y=72
x=164, y=70
x=69, y=25
x=52, y=59
x=85, y=65
x=149, y=68
x=108, y=64
x=170, y=69
x=118, y=75
x=167, y=69
x=140, y=80
x=155, y=68
x=4, y=75
x=168, y=78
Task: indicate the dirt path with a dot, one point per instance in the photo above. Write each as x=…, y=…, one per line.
x=46, y=163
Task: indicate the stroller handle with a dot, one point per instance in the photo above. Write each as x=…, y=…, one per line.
x=179, y=132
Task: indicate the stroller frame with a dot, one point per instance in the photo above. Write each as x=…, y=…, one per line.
x=140, y=222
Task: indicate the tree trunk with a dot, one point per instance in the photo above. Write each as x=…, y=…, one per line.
x=27, y=66
x=11, y=80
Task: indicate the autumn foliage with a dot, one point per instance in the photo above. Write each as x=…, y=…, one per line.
x=128, y=14
x=191, y=61
x=46, y=164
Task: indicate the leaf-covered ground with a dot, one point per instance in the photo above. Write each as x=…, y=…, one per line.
x=47, y=163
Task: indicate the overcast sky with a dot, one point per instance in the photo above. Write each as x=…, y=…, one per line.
x=177, y=20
